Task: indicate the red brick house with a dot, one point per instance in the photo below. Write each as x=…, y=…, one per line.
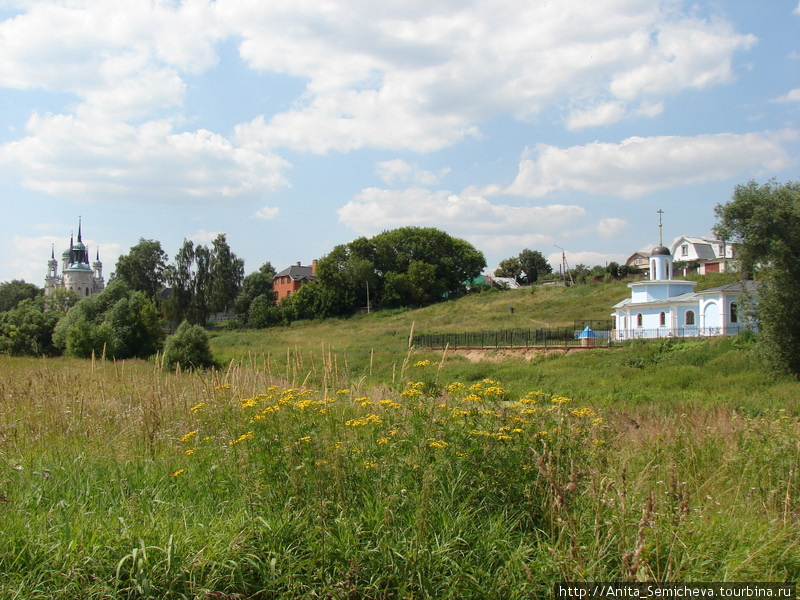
x=288, y=281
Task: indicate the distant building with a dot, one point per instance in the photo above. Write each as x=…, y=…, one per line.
x=695, y=255
x=661, y=306
x=288, y=281
x=77, y=273
x=708, y=254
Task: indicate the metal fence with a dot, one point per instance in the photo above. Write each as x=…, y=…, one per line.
x=515, y=338
x=681, y=332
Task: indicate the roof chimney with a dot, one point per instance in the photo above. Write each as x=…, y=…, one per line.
x=314, y=266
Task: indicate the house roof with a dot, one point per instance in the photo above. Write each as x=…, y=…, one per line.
x=743, y=286
x=297, y=272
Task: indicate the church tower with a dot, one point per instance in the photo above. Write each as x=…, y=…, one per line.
x=76, y=272
x=660, y=257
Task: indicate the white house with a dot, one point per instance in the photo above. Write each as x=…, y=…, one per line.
x=711, y=255
x=665, y=307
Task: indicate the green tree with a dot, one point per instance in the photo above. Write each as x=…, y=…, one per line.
x=534, y=265
x=764, y=220
x=118, y=323
x=263, y=312
x=527, y=267
x=188, y=348
x=144, y=268
x=407, y=266
x=27, y=329
x=15, y=291
x=510, y=267
x=226, y=272
x=255, y=285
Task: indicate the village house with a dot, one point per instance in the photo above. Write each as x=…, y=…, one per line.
x=288, y=281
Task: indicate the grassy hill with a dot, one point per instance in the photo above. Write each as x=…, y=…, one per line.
x=373, y=349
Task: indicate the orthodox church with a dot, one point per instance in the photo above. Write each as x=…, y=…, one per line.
x=77, y=273
x=665, y=307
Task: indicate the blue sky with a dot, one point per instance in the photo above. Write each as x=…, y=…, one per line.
x=296, y=126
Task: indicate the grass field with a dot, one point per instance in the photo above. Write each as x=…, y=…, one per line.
x=327, y=460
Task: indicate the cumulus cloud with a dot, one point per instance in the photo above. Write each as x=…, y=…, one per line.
x=400, y=171
x=791, y=96
x=267, y=213
x=640, y=165
x=375, y=209
x=420, y=76
x=67, y=156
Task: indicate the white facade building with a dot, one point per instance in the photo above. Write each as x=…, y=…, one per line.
x=710, y=255
x=664, y=307
x=77, y=273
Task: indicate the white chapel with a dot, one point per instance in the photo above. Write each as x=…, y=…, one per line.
x=665, y=307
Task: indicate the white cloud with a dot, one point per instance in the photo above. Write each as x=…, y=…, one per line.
x=611, y=227
x=267, y=213
x=640, y=165
x=791, y=96
x=420, y=75
x=603, y=114
x=400, y=171
x=374, y=210
x=67, y=156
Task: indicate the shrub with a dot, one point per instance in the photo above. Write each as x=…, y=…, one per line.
x=188, y=349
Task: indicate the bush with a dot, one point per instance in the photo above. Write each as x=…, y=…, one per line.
x=188, y=349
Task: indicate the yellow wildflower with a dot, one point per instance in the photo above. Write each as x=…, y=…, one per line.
x=178, y=472
x=188, y=436
x=241, y=438
x=197, y=407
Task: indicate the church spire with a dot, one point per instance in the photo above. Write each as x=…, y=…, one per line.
x=660, y=239
x=79, y=229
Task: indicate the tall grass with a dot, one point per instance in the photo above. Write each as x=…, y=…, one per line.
x=301, y=477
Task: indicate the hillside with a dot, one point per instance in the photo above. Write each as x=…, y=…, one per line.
x=659, y=375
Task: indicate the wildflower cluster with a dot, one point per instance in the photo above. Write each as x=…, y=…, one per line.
x=314, y=430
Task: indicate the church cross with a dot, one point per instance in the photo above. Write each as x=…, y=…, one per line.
x=660, y=212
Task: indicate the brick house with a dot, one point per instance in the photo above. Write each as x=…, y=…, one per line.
x=288, y=281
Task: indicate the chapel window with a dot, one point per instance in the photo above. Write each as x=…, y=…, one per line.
x=638, y=319
x=662, y=319
x=734, y=313
x=690, y=317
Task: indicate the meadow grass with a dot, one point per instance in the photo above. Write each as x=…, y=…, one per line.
x=121, y=480
x=329, y=460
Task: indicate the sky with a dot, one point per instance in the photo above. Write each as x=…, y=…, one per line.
x=292, y=127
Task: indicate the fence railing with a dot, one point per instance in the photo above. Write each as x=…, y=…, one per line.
x=681, y=332
x=514, y=338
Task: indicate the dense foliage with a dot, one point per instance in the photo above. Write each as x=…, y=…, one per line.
x=409, y=266
x=143, y=268
x=764, y=219
x=528, y=267
x=117, y=323
x=203, y=281
x=188, y=349
x=15, y=291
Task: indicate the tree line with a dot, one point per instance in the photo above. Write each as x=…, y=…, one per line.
x=406, y=267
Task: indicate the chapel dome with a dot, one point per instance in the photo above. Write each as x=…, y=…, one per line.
x=661, y=251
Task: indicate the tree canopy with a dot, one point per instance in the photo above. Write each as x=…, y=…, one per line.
x=143, y=268
x=409, y=266
x=764, y=220
x=527, y=267
x=15, y=291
